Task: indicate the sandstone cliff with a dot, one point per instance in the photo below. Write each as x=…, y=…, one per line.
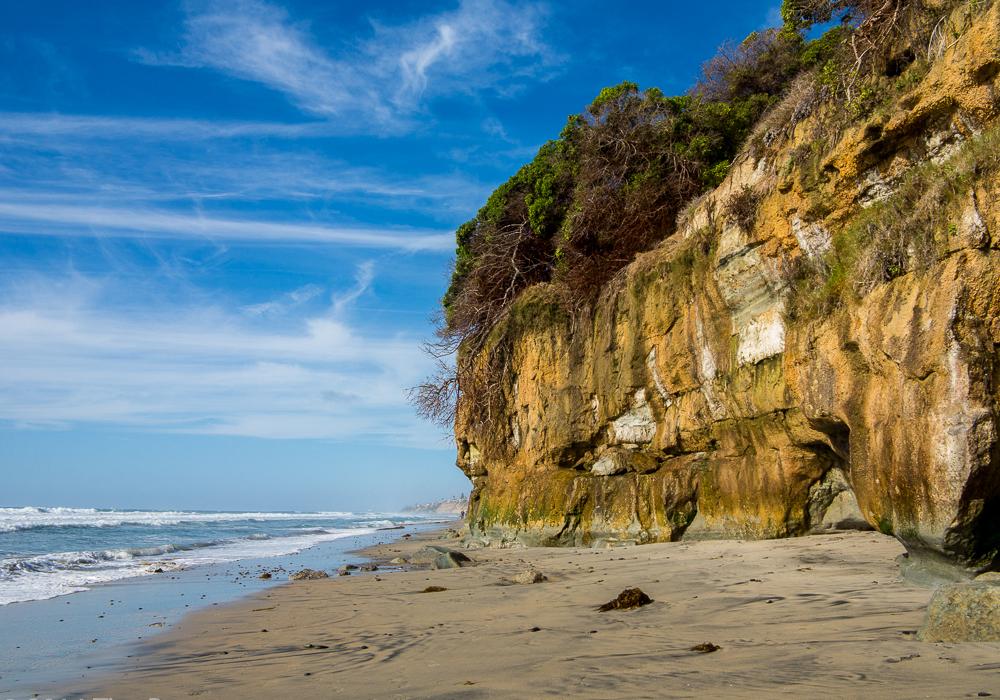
x=719, y=389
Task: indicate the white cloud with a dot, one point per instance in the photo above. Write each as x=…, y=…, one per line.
x=482, y=44
x=50, y=218
x=494, y=127
x=415, y=63
x=256, y=41
x=363, y=279
x=285, y=303
x=49, y=124
x=109, y=160
x=374, y=84
x=69, y=360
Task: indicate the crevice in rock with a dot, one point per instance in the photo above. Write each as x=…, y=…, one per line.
x=839, y=436
x=986, y=73
x=899, y=63
x=976, y=531
x=682, y=515
x=832, y=504
x=574, y=455
x=906, y=135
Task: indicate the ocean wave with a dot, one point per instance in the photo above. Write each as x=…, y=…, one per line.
x=378, y=523
x=63, y=561
x=51, y=575
x=32, y=517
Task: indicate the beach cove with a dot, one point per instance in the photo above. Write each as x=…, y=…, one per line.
x=820, y=615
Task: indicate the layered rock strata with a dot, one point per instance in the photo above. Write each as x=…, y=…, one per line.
x=692, y=402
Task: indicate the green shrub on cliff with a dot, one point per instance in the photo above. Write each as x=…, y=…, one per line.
x=533, y=202
x=613, y=182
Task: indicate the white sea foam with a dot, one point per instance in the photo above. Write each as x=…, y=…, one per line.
x=117, y=544
x=50, y=575
x=13, y=519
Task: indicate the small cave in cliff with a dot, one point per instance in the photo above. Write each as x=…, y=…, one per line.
x=832, y=504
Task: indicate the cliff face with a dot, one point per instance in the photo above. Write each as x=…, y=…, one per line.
x=699, y=399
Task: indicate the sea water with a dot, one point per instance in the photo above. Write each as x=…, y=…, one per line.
x=77, y=585
x=49, y=552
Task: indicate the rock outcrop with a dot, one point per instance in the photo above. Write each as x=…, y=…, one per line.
x=697, y=401
x=963, y=612
x=440, y=557
x=308, y=575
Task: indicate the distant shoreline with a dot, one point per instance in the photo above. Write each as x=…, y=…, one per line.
x=448, y=506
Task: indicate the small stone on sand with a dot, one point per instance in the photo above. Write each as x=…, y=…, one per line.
x=628, y=599
x=530, y=576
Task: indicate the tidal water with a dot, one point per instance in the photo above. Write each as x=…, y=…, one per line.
x=77, y=586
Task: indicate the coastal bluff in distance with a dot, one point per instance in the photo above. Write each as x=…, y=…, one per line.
x=446, y=506
x=748, y=376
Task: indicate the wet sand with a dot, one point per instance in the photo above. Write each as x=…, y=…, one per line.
x=808, y=617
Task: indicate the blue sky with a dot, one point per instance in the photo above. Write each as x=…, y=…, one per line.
x=224, y=228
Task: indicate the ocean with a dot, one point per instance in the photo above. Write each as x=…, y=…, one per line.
x=49, y=552
x=79, y=586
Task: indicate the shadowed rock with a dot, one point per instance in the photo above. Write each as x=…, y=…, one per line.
x=451, y=560
x=441, y=557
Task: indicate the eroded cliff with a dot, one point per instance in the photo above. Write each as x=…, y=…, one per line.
x=728, y=385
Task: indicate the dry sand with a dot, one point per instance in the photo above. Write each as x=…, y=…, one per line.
x=821, y=616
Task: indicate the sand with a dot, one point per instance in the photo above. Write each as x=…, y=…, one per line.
x=815, y=616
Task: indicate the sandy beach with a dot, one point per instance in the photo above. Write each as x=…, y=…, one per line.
x=816, y=616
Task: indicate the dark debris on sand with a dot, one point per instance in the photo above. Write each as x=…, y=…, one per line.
x=629, y=599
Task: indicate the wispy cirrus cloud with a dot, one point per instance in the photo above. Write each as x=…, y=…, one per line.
x=153, y=162
x=17, y=125
x=256, y=41
x=72, y=359
x=69, y=220
x=363, y=278
x=376, y=83
x=480, y=45
x=285, y=303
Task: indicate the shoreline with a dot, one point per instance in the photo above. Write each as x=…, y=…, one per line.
x=95, y=632
x=825, y=614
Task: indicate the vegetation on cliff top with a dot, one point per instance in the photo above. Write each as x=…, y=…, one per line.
x=908, y=230
x=613, y=183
